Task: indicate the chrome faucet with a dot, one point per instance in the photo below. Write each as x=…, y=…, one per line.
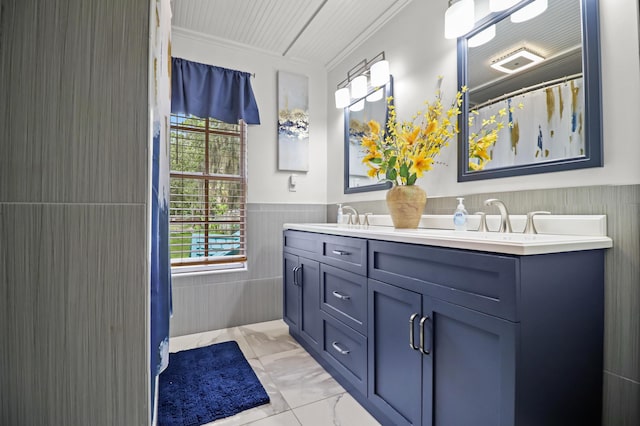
x=355, y=212
x=505, y=223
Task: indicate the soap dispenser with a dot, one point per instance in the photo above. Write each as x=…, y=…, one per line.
x=340, y=214
x=460, y=216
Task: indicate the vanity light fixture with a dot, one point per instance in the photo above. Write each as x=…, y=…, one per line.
x=516, y=61
x=499, y=5
x=356, y=86
x=530, y=11
x=459, y=18
x=482, y=37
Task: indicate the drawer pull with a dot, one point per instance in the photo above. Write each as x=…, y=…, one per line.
x=339, y=349
x=295, y=276
x=341, y=296
x=411, y=345
x=422, y=349
x=341, y=252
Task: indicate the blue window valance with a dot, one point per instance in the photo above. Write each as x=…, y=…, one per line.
x=209, y=91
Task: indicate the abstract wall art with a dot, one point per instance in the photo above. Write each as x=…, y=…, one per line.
x=293, y=122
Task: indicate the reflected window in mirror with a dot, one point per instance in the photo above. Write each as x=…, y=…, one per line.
x=540, y=76
x=374, y=106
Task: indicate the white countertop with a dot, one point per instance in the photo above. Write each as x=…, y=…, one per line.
x=507, y=243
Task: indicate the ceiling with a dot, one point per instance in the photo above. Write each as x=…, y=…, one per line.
x=315, y=31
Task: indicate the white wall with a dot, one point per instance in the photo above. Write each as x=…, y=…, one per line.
x=414, y=44
x=266, y=184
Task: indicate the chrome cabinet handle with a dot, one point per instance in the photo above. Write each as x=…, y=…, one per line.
x=295, y=276
x=340, y=252
x=411, y=345
x=422, y=349
x=341, y=296
x=339, y=349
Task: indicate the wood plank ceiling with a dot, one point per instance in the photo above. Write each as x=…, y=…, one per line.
x=316, y=31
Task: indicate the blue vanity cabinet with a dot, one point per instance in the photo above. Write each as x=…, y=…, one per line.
x=433, y=336
x=436, y=363
x=511, y=340
x=301, y=287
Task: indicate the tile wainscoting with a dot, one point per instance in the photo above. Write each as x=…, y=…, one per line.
x=621, y=204
x=221, y=300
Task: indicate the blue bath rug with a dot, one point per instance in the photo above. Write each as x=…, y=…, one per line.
x=205, y=384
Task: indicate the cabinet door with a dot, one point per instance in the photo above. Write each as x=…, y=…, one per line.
x=394, y=368
x=309, y=283
x=469, y=375
x=291, y=306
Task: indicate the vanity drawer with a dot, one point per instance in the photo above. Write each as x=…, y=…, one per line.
x=345, y=252
x=346, y=350
x=302, y=243
x=485, y=282
x=343, y=294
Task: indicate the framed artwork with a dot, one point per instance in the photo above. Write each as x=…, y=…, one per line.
x=293, y=122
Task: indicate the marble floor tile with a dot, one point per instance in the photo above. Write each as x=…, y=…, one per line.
x=338, y=410
x=207, y=338
x=300, y=379
x=269, y=337
x=284, y=419
x=276, y=405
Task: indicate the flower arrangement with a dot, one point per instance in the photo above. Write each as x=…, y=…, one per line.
x=481, y=141
x=408, y=149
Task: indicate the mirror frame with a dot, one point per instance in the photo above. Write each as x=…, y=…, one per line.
x=375, y=186
x=592, y=103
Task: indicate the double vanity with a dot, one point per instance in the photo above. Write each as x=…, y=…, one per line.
x=438, y=327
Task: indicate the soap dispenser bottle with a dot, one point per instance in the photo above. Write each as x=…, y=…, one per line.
x=460, y=216
x=340, y=214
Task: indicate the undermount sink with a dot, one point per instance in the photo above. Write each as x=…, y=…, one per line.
x=508, y=243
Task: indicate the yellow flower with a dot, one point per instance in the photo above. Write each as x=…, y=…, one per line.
x=420, y=164
x=374, y=127
x=372, y=172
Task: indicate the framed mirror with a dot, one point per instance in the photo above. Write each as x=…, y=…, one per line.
x=540, y=76
x=356, y=117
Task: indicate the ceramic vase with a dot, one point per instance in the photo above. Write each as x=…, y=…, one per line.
x=406, y=204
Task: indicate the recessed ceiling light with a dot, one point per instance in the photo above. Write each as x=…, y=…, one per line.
x=516, y=61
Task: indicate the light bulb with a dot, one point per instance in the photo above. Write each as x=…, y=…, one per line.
x=459, y=19
x=482, y=37
x=530, y=11
x=358, y=106
x=498, y=5
x=342, y=98
x=380, y=73
x=375, y=96
x=359, y=87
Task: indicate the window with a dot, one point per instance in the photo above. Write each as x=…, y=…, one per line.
x=208, y=187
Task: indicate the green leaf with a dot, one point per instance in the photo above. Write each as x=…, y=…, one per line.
x=376, y=160
x=404, y=170
x=412, y=179
x=392, y=162
x=392, y=174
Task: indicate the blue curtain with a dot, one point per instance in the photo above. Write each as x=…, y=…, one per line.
x=210, y=91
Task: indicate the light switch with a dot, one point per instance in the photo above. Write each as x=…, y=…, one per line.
x=293, y=181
